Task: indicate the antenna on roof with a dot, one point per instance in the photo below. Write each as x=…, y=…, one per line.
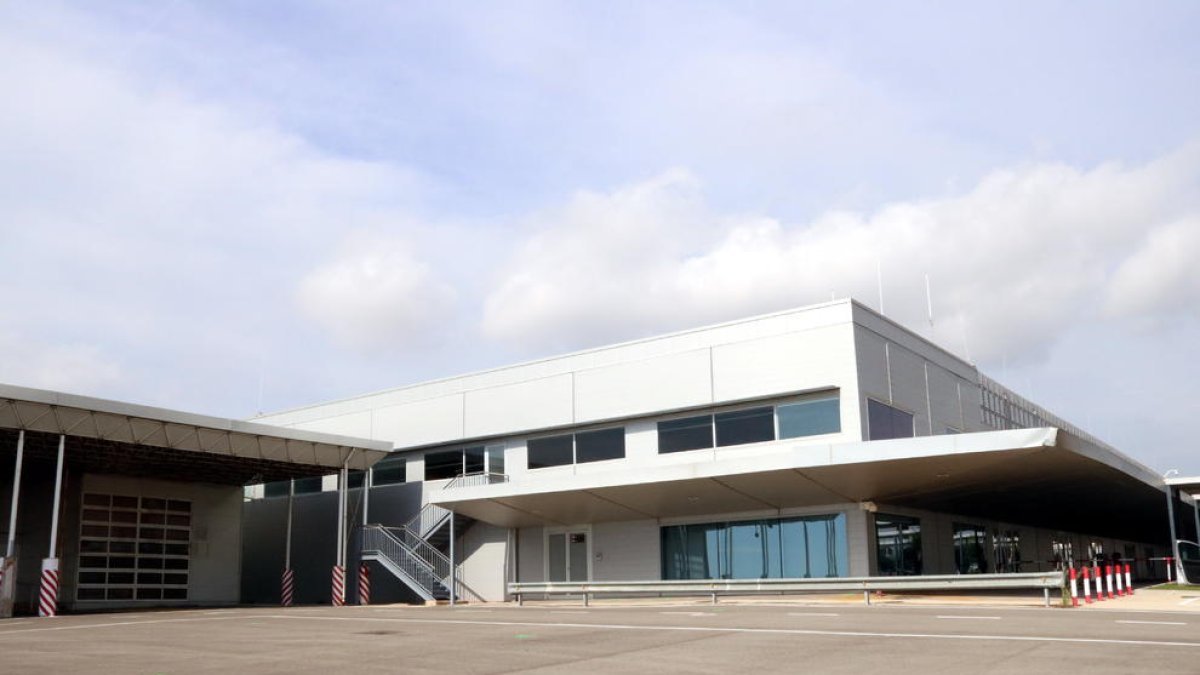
x=929, y=305
x=879, y=281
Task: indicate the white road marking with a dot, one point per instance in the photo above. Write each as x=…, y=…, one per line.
x=86, y=626
x=958, y=616
x=566, y=612
x=472, y=611
x=1156, y=623
x=1190, y=601
x=812, y=614
x=761, y=631
x=691, y=613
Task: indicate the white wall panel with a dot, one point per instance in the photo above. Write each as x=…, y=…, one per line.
x=351, y=424
x=626, y=551
x=524, y=405
x=643, y=387
x=420, y=422
x=814, y=359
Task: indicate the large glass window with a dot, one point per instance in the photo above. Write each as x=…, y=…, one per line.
x=688, y=433
x=276, y=489
x=495, y=459
x=599, y=445
x=745, y=426
x=803, y=547
x=443, y=465
x=884, y=421
x=550, y=451
x=809, y=418
x=970, y=556
x=1006, y=547
x=897, y=544
x=306, y=486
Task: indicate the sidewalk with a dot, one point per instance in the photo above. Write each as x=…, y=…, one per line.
x=1151, y=600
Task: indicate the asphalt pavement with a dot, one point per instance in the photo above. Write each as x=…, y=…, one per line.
x=665, y=637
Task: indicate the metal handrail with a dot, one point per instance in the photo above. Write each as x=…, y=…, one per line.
x=476, y=479
x=382, y=542
x=437, y=561
x=714, y=587
x=427, y=520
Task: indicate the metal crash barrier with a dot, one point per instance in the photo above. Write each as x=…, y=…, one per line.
x=1046, y=581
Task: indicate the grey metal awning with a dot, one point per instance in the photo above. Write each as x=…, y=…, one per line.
x=1043, y=477
x=118, y=437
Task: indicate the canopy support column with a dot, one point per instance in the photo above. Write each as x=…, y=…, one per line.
x=8, y=564
x=1174, y=552
x=48, y=591
x=453, y=564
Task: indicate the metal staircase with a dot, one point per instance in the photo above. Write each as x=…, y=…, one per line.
x=417, y=552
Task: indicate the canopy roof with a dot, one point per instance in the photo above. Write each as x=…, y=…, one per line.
x=1041, y=477
x=105, y=436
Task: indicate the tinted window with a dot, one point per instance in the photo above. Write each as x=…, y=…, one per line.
x=495, y=458
x=884, y=422
x=389, y=471
x=746, y=426
x=550, y=451
x=594, y=446
x=441, y=465
x=689, y=433
x=308, y=485
x=355, y=479
x=276, y=489
x=809, y=418
x=473, y=459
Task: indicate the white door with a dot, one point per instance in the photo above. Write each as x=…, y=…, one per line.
x=567, y=556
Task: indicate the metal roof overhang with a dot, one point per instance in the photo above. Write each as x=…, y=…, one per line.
x=1038, y=477
x=114, y=437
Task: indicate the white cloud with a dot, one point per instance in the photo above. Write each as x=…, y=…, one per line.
x=376, y=294
x=72, y=366
x=1160, y=276
x=1016, y=259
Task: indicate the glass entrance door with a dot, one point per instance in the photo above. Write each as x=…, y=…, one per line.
x=567, y=556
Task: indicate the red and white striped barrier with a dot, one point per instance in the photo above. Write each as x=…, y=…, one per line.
x=1120, y=579
x=364, y=584
x=1099, y=580
x=287, y=588
x=1087, y=585
x=1074, y=589
x=1108, y=577
x=339, y=585
x=48, y=593
x=1128, y=580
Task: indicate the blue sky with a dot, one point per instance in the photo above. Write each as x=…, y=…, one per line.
x=232, y=207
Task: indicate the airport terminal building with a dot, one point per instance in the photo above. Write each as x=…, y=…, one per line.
x=823, y=441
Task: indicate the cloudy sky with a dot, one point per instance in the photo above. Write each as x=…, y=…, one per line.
x=230, y=207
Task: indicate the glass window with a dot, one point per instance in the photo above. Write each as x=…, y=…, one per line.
x=442, y=465
x=602, y=444
x=809, y=418
x=390, y=470
x=1006, y=547
x=745, y=426
x=689, y=433
x=495, y=459
x=550, y=451
x=884, y=421
x=308, y=485
x=473, y=459
x=897, y=545
x=809, y=546
x=355, y=479
x=970, y=556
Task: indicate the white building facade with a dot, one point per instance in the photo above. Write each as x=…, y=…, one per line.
x=822, y=441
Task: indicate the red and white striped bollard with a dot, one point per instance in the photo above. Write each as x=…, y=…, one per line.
x=1074, y=589
x=1087, y=585
x=287, y=588
x=1099, y=580
x=1128, y=579
x=1108, y=577
x=364, y=584
x=48, y=592
x=339, y=585
x=1120, y=579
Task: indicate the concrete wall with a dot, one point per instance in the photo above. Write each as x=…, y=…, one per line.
x=314, y=547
